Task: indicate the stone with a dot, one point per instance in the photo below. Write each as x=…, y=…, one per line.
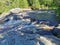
x=15, y=10
x=58, y=26
x=1, y=36
x=3, y=15
x=56, y=32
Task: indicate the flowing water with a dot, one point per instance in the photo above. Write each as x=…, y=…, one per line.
x=20, y=31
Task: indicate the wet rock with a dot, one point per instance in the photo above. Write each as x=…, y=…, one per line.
x=58, y=26
x=56, y=32
x=1, y=36
x=1, y=21
x=3, y=15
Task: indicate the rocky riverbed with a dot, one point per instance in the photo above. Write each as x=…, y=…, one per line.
x=28, y=28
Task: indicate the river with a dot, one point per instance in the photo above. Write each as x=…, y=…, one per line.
x=18, y=29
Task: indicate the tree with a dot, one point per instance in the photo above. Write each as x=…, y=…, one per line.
x=30, y=2
x=23, y=3
x=35, y=4
x=47, y=2
x=57, y=2
x=4, y=6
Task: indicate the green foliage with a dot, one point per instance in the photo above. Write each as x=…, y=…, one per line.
x=58, y=14
x=6, y=5
x=57, y=2
x=23, y=4
x=46, y=2
x=3, y=6
x=30, y=2
x=35, y=4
